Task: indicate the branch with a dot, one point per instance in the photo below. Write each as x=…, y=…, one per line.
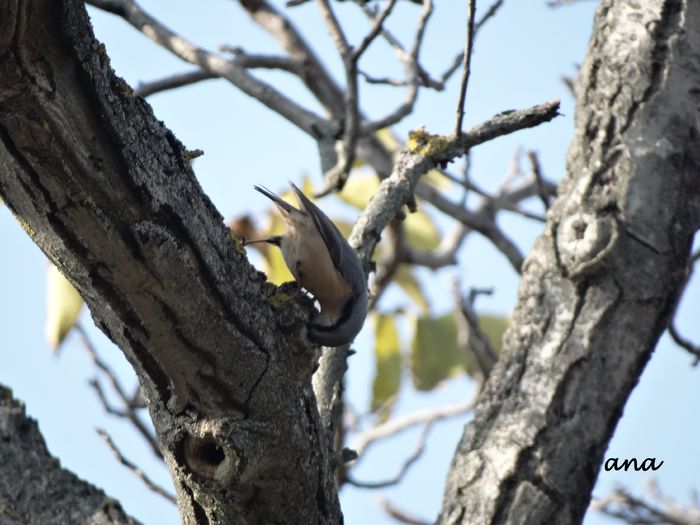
x=623, y=505
x=314, y=75
x=333, y=26
x=397, y=190
x=405, y=466
x=34, y=488
x=150, y=484
x=376, y=29
x=412, y=71
x=124, y=219
x=399, y=514
x=466, y=66
x=146, y=89
x=129, y=410
x=398, y=424
x=219, y=66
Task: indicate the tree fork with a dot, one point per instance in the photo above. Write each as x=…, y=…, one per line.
x=107, y=192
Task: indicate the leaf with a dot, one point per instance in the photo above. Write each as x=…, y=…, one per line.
x=493, y=326
x=388, y=140
x=387, y=376
x=420, y=231
x=408, y=282
x=63, y=305
x=435, y=353
x=359, y=189
x=437, y=179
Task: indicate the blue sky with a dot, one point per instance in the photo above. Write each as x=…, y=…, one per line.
x=518, y=61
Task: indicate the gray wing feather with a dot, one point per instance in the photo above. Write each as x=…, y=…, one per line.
x=335, y=242
x=274, y=198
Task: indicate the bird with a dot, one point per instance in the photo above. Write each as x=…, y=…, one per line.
x=323, y=263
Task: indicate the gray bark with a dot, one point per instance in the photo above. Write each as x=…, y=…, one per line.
x=33, y=486
x=601, y=282
x=107, y=192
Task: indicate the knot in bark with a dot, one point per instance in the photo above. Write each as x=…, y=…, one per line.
x=583, y=242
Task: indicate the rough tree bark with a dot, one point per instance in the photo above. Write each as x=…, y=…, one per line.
x=107, y=192
x=33, y=486
x=601, y=282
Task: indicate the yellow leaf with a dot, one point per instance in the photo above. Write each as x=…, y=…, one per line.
x=387, y=376
x=421, y=232
x=408, y=282
x=359, y=189
x=63, y=304
x=437, y=179
x=493, y=326
x=388, y=140
x=435, y=352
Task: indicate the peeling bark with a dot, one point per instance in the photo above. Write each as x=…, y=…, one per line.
x=601, y=282
x=107, y=192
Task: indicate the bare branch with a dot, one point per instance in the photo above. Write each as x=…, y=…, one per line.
x=472, y=338
x=407, y=464
x=389, y=265
x=333, y=26
x=684, y=343
x=623, y=505
x=397, y=190
x=218, y=65
x=537, y=172
x=444, y=255
x=479, y=222
x=496, y=202
x=399, y=514
x=559, y=3
x=146, y=89
x=376, y=29
x=490, y=13
x=466, y=66
x=130, y=407
x=136, y=470
x=412, y=68
x=313, y=74
x=420, y=417
x=116, y=7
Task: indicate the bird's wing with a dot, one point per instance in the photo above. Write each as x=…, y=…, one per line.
x=335, y=242
x=283, y=205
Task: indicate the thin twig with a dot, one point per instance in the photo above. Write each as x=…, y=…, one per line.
x=623, y=505
x=116, y=7
x=537, y=172
x=406, y=465
x=391, y=260
x=135, y=469
x=130, y=409
x=490, y=13
x=466, y=66
x=333, y=26
x=430, y=415
x=412, y=69
x=474, y=342
x=313, y=74
x=684, y=343
x=146, y=89
x=400, y=515
x=376, y=29
x=224, y=68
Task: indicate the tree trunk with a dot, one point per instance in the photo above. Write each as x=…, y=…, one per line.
x=107, y=192
x=33, y=486
x=601, y=282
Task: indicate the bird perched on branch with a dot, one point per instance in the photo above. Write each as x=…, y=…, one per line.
x=323, y=263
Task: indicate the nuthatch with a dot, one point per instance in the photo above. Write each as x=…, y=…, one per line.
x=322, y=262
